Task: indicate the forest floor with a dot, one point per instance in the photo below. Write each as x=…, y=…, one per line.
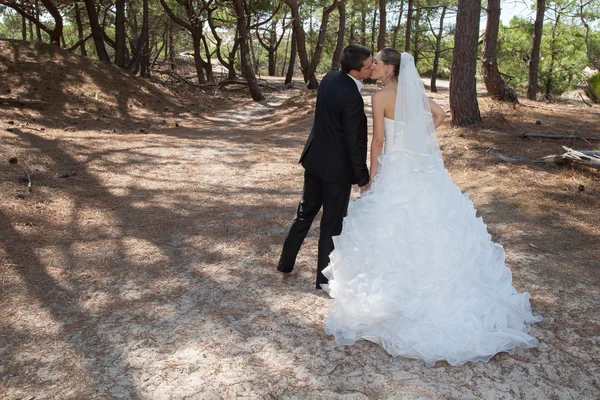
x=141, y=264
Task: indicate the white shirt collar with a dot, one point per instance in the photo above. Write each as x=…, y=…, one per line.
x=359, y=84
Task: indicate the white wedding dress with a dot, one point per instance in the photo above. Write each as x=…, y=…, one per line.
x=415, y=269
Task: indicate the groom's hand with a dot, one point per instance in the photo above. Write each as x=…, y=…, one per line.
x=365, y=188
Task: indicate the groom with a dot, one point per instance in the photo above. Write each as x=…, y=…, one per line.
x=334, y=158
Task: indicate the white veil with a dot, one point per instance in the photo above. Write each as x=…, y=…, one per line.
x=414, y=132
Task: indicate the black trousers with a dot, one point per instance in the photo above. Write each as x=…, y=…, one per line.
x=334, y=198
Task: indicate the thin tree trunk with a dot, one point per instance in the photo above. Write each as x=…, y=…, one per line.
x=145, y=55
x=409, y=16
x=339, y=45
x=316, y=57
x=397, y=27
x=382, y=25
x=292, y=62
x=38, y=31
x=436, y=58
x=120, y=35
x=363, y=28
x=139, y=61
x=417, y=35
x=80, y=33
x=207, y=65
x=300, y=35
x=227, y=64
x=534, y=61
x=595, y=62
x=285, y=53
x=30, y=30
x=272, y=52
x=171, y=46
x=373, y=29
x=23, y=28
x=246, y=67
x=553, y=53
x=496, y=87
x=252, y=54
x=234, y=50
x=96, y=31
x=463, y=91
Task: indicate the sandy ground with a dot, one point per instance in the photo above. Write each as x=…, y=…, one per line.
x=142, y=264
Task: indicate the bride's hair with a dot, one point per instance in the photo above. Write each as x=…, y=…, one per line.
x=391, y=56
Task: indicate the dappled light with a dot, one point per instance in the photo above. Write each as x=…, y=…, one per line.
x=141, y=264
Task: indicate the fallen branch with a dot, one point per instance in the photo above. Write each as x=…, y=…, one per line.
x=180, y=78
x=79, y=43
x=22, y=102
x=586, y=103
x=586, y=157
x=549, y=136
x=245, y=83
x=512, y=159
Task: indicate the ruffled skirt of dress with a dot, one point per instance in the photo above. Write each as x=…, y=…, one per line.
x=415, y=271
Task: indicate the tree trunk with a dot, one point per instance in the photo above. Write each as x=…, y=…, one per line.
x=38, y=31
x=292, y=62
x=231, y=70
x=463, y=90
x=316, y=57
x=207, y=65
x=58, y=22
x=197, y=42
x=436, y=58
x=397, y=27
x=171, y=48
x=230, y=62
x=252, y=54
x=145, y=55
x=80, y=33
x=272, y=52
x=339, y=45
x=496, y=87
x=373, y=29
x=363, y=28
x=96, y=31
x=591, y=58
x=382, y=25
x=417, y=35
x=23, y=27
x=120, y=35
x=246, y=66
x=409, y=16
x=534, y=61
x=553, y=53
x=300, y=36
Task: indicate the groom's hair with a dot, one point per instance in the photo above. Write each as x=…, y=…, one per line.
x=353, y=57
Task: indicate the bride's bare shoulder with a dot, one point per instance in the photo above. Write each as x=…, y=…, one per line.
x=384, y=95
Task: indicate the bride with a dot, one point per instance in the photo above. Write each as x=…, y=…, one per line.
x=414, y=269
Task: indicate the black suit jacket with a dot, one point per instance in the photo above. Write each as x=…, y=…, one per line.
x=336, y=149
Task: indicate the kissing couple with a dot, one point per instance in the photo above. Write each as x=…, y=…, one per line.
x=408, y=266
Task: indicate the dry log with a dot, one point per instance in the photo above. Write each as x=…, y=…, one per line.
x=550, y=136
x=587, y=157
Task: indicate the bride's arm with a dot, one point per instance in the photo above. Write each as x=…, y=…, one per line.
x=437, y=112
x=378, y=134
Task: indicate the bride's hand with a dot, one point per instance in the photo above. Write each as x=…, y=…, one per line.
x=365, y=188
